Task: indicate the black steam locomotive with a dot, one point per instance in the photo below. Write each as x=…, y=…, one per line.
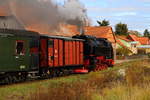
x=98, y=52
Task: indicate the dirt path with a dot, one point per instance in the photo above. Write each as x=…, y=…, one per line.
x=127, y=60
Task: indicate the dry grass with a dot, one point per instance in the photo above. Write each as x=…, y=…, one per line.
x=65, y=91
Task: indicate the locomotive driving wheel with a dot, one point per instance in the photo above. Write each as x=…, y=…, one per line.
x=100, y=67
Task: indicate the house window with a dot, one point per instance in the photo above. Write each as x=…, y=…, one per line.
x=20, y=47
x=135, y=46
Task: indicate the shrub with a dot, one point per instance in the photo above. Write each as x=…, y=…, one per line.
x=123, y=51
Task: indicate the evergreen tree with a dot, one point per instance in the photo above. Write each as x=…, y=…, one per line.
x=103, y=23
x=146, y=33
x=121, y=29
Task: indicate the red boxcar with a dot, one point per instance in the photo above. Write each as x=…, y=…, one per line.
x=58, y=51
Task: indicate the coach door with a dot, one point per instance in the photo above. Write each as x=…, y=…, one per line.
x=50, y=52
x=34, y=53
x=55, y=52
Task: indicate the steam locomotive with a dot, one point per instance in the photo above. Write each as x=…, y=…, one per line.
x=27, y=54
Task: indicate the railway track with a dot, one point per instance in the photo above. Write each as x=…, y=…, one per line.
x=38, y=78
x=128, y=60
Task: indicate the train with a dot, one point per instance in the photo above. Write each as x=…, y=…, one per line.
x=27, y=54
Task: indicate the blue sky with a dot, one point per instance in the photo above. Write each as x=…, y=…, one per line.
x=135, y=13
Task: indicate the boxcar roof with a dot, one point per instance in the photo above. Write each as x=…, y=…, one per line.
x=62, y=37
x=12, y=32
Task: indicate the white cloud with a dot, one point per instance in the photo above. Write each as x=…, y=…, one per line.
x=125, y=14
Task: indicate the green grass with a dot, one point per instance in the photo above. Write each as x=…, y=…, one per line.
x=104, y=85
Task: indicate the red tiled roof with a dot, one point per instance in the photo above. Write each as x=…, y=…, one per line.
x=142, y=40
x=64, y=30
x=102, y=32
x=133, y=37
x=120, y=43
x=123, y=38
x=68, y=30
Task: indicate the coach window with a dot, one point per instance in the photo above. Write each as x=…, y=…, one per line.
x=20, y=47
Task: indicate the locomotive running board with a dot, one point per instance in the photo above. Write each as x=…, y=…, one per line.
x=80, y=71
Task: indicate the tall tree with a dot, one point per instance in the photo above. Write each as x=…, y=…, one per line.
x=103, y=23
x=121, y=29
x=146, y=33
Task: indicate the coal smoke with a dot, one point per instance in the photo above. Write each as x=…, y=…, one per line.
x=45, y=15
x=73, y=12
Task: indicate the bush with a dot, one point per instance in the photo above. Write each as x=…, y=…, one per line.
x=148, y=55
x=123, y=51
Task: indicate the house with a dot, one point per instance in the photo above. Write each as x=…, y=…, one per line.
x=143, y=45
x=10, y=22
x=143, y=49
x=142, y=40
x=124, y=42
x=101, y=32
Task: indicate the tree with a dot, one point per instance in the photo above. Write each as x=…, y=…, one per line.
x=146, y=33
x=103, y=23
x=121, y=29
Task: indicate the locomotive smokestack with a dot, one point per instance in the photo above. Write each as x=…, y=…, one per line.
x=81, y=29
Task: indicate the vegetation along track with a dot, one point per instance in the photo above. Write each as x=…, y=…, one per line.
x=126, y=81
x=69, y=73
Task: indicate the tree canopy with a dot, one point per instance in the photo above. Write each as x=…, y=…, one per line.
x=146, y=33
x=121, y=29
x=103, y=23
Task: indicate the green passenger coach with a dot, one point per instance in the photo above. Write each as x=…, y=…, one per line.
x=18, y=52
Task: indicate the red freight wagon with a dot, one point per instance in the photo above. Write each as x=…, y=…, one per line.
x=58, y=51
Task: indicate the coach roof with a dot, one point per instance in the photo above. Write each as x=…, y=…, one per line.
x=62, y=37
x=14, y=32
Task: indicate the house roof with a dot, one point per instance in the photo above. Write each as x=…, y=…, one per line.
x=4, y=10
x=61, y=30
x=120, y=43
x=133, y=37
x=102, y=32
x=142, y=40
x=122, y=37
x=68, y=30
